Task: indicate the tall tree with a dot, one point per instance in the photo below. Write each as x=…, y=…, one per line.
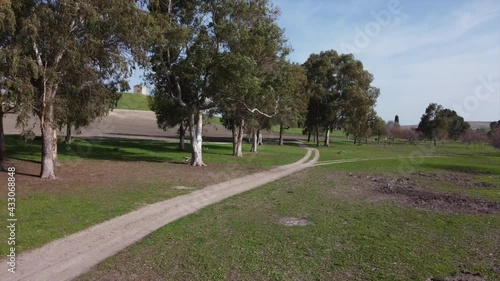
x=57, y=37
x=291, y=82
x=396, y=120
x=343, y=93
x=245, y=75
x=15, y=70
x=438, y=123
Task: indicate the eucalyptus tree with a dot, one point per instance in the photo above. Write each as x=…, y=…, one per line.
x=255, y=46
x=214, y=54
x=291, y=83
x=58, y=36
x=439, y=123
x=15, y=70
x=182, y=59
x=344, y=96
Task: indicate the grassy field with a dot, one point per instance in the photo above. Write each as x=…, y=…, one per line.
x=133, y=101
x=99, y=180
x=370, y=220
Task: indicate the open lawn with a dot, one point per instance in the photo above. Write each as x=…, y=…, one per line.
x=133, y=101
x=367, y=220
x=99, y=180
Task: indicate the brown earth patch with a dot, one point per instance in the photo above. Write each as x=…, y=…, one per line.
x=464, y=276
x=425, y=199
x=292, y=221
x=466, y=180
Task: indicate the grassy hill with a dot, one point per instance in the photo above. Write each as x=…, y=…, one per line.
x=133, y=102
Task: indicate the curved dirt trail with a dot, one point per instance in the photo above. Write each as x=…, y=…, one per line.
x=66, y=258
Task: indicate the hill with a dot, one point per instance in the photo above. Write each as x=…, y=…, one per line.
x=133, y=102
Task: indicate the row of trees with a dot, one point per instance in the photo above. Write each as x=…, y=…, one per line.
x=230, y=58
x=64, y=60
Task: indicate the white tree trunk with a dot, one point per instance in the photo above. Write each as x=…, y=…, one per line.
x=259, y=137
x=47, y=128
x=196, y=128
x=255, y=142
x=327, y=137
x=238, y=139
x=282, y=138
x=69, y=138
x=56, y=156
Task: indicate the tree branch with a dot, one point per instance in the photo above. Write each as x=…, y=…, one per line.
x=262, y=113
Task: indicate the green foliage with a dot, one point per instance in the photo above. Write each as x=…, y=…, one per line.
x=342, y=93
x=441, y=123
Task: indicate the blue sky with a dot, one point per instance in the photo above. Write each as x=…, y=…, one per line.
x=419, y=51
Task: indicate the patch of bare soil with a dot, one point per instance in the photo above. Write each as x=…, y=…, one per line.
x=464, y=276
x=294, y=221
x=448, y=202
x=458, y=179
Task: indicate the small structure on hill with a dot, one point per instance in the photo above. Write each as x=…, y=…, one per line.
x=140, y=89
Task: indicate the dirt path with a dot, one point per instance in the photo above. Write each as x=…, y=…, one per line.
x=67, y=258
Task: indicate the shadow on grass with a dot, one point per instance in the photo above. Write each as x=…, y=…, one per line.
x=99, y=149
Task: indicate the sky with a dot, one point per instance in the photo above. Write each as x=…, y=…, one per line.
x=419, y=51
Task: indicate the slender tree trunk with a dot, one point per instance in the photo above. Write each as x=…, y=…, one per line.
x=255, y=142
x=238, y=139
x=2, y=143
x=54, y=146
x=327, y=137
x=282, y=139
x=235, y=138
x=308, y=136
x=259, y=137
x=317, y=136
x=355, y=139
x=196, y=127
x=47, y=128
x=68, y=139
x=182, y=137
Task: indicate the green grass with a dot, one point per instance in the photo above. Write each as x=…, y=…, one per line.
x=133, y=101
x=152, y=151
x=45, y=215
x=352, y=238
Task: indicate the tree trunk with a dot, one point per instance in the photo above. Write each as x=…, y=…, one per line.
x=2, y=143
x=68, y=138
x=259, y=137
x=54, y=147
x=196, y=128
x=355, y=139
x=282, y=139
x=327, y=137
x=255, y=143
x=317, y=136
x=238, y=139
x=182, y=137
x=308, y=136
x=47, y=128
